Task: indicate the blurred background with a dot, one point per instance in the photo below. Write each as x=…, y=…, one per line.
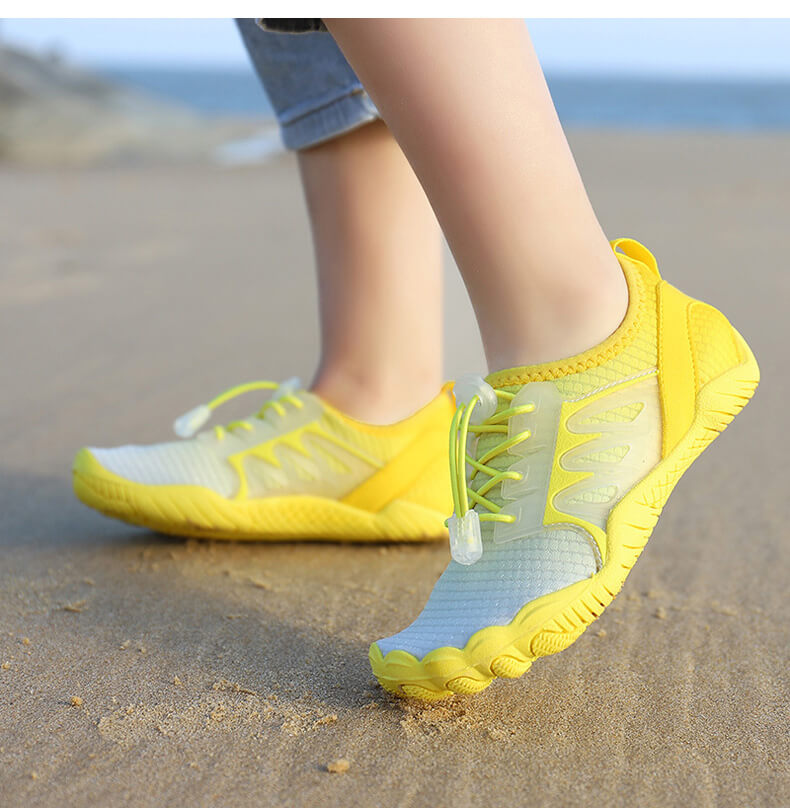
x=731, y=75
x=155, y=250
x=143, y=180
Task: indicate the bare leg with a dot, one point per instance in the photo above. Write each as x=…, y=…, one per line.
x=468, y=103
x=378, y=252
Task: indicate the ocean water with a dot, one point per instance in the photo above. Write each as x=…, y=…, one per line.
x=604, y=102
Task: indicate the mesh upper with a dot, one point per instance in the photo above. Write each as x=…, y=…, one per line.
x=509, y=575
x=308, y=450
x=175, y=463
x=492, y=591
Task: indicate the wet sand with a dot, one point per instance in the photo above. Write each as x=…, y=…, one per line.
x=139, y=670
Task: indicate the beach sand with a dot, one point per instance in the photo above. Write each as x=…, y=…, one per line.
x=139, y=670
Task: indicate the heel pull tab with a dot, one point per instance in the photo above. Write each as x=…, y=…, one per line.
x=637, y=252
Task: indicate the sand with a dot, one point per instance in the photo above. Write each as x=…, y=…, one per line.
x=139, y=670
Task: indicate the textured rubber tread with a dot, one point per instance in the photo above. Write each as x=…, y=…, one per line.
x=553, y=622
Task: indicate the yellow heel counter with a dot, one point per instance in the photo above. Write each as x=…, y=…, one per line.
x=714, y=346
x=676, y=379
x=696, y=344
x=432, y=489
x=419, y=472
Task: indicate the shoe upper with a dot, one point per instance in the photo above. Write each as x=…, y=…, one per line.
x=300, y=446
x=560, y=445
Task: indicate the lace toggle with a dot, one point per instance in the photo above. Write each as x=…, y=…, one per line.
x=186, y=425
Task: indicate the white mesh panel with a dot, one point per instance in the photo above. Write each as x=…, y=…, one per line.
x=203, y=460
x=189, y=462
x=492, y=591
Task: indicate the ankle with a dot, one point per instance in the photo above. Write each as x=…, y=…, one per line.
x=563, y=322
x=376, y=398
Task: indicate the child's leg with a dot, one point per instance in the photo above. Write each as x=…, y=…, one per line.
x=482, y=134
x=377, y=243
x=378, y=253
x=559, y=469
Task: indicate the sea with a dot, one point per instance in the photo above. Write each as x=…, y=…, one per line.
x=582, y=101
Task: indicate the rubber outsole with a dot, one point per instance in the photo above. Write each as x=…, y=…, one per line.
x=184, y=510
x=553, y=622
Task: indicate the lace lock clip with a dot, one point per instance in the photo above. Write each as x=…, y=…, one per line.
x=466, y=542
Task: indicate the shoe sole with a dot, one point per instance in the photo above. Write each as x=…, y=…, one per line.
x=183, y=510
x=551, y=623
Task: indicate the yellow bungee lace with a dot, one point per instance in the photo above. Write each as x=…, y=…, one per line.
x=459, y=430
x=465, y=539
x=187, y=424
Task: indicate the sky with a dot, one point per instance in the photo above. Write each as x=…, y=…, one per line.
x=692, y=48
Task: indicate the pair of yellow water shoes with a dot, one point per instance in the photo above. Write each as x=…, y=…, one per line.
x=557, y=475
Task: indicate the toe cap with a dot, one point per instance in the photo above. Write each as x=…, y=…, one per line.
x=177, y=463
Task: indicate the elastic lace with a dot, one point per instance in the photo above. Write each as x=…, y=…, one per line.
x=194, y=419
x=460, y=428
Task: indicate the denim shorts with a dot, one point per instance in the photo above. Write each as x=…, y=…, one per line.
x=312, y=88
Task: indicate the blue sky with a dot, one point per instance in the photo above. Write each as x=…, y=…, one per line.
x=699, y=48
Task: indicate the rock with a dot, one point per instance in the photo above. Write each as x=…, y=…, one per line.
x=52, y=113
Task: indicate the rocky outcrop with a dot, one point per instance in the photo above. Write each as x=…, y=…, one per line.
x=54, y=114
